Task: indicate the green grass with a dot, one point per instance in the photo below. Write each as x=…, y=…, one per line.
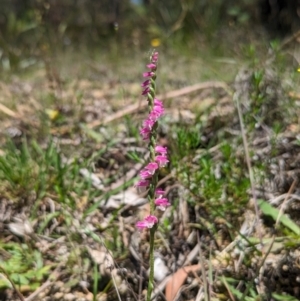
x=43, y=175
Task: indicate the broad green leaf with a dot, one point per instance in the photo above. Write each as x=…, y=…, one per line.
x=268, y=209
x=19, y=279
x=284, y=298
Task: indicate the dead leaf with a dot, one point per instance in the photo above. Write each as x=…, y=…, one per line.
x=96, y=182
x=127, y=197
x=176, y=281
x=103, y=258
x=21, y=227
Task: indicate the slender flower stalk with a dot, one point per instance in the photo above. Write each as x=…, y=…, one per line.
x=158, y=158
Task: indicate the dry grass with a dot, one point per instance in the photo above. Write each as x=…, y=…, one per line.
x=68, y=208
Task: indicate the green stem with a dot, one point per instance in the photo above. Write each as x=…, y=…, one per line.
x=151, y=197
x=151, y=260
x=151, y=193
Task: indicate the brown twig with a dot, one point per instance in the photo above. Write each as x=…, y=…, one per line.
x=289, y=39
x=38, y=291
x=140, y=105
x=53, y=275
x=203, y=270
x=228, y=290
x=281, y=211
x=248, y=161
x=7, y=111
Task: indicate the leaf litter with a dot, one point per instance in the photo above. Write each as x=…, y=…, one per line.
x=73, y=233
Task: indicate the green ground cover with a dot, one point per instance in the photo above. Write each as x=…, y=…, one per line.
x=70, y=154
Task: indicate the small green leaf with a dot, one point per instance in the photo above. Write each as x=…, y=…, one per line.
x=98, y=137
x=134, y=156
x=19, y=279
x=284, y=298
x=268, y=209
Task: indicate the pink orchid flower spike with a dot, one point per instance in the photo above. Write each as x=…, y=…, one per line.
x=162, y=203
x=148, y=222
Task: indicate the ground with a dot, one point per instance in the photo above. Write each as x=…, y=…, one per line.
x=71, y=154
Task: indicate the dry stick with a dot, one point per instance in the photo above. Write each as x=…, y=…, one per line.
x=20, y=296
x=7, y=111
x=229, y=292
x=178, y=24
x=115, y=285
x=260, y=268
x=39, y=290
x=290, y=39
x=206, y=294
x=285, y=200
x=251, y=176
x=140, y=105
x=49, y=281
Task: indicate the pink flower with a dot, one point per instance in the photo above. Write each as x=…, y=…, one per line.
x=159, y=193
x=158, y=108
x=146, y=91
x=148, y=74
x=161, y=160
x=145, y=83
x=145, y=174
x=154, y=57
x=145, y=133
x=162, y=203
x=152, y=167
x=148, y=123
x=162, y=150
x=158, y=102
x=142, y=185
x=148, y=171
x=154, y=115
x=156, y=112
x=148, y=222
x=151, y=66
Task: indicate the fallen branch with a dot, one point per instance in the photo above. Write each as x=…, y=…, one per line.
x=140, y=105
x=7, y=111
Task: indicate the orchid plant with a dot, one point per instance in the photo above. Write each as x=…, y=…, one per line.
x=158, y=158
